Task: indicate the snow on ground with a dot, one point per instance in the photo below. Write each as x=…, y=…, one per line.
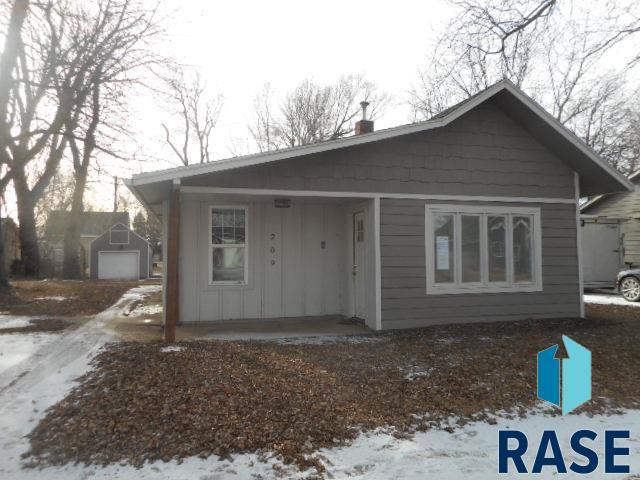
x=605, y=299
x=15, y=321
x=141, y=310
x=55, y=298
x=15, y=348
x=470, y=452
x=171, y=348
x=43, y=377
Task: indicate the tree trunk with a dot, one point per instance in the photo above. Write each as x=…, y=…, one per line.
x=4, y=279
x=72, y=267
x=29, y=249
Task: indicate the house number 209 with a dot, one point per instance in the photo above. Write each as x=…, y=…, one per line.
x=273, y=249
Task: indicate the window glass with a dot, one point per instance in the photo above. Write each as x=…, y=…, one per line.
x=227, y=226
x=522, y=250
x=227, y=264
x=443, y=248
x=228, y=245
x=470, y=238
x=496, y=244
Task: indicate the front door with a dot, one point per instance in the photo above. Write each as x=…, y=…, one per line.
x=359, y=265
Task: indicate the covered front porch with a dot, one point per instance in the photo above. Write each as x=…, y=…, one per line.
x=268, y=264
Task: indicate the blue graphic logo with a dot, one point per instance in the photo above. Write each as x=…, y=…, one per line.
x=567, y=383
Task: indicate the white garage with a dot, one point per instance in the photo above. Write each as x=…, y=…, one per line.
x=118, y=265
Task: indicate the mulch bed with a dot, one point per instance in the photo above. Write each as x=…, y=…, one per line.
x=34, y=297
x=141, y=403
x=39, y=325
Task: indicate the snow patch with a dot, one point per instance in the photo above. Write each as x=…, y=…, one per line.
x=470, y=452
x=54, y=298
x=12, y=321
x=604, y=299
x=14, y=348
x=415, y=372
x=146, y=310
x=171, y=348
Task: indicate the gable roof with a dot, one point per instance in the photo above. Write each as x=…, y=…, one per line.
x=634, y=178
x=596, y=175
x=125, y=227
x=91, y=223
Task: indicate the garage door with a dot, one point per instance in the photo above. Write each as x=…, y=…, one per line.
x=118, y=265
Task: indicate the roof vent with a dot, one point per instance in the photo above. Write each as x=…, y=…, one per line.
x=364, y=125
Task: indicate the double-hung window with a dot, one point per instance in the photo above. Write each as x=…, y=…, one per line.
x=228, y=245
x=473, y=249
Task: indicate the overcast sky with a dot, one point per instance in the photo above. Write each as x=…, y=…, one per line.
x=238, y=46
x=241, y=45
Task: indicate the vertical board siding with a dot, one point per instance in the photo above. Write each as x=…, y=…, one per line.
x=304, y=280
x=482, y=153
x=404, y=299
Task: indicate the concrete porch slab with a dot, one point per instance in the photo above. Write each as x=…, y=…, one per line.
x=270, y=329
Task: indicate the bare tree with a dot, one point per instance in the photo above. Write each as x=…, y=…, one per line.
x=313, y=113
x=116, y=33
x=198, y=113
x=264, y=130
x=39, y=98
x=556, y=51
x=8, y=63
x=57, y=50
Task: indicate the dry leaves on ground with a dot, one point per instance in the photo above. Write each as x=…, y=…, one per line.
x=141, y=403
x=62, y=298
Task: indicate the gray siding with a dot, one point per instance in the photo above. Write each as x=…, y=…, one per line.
x=405, y=303
x=625, y=206
x=136, y=243
x=482, y=153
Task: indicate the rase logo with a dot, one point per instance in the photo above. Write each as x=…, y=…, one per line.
x=566, y=384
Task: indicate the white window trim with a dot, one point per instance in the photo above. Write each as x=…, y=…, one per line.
x=457, y=287
x=119, y=230
x=244, y=245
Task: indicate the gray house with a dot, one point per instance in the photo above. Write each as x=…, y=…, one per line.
x=470, y=216
x=120, y=253
x=611, y=235
x=92, y=224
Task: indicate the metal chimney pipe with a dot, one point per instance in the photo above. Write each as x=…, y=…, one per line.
x=364, y=106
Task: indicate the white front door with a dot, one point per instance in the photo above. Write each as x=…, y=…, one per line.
x=118, y=265
x=601, y=260
x=359, y=265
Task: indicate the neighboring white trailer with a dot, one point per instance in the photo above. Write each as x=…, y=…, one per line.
x=601, y=251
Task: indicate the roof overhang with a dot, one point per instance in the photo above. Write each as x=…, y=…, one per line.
x=596, y=175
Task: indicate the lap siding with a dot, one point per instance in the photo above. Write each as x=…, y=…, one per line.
x=405, y=303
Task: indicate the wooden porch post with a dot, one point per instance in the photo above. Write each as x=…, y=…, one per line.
x=173, y=253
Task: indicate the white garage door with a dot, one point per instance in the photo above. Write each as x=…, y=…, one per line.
x=118, y=265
